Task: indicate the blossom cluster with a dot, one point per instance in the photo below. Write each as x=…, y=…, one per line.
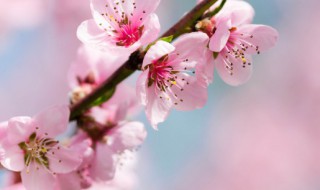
x=175, y=75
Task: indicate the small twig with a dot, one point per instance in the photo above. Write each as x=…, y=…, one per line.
x=216, y=10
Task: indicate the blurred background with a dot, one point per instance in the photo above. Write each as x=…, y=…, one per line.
x=264, y=135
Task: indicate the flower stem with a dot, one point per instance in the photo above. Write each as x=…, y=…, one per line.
x=216, y=10
x=184, y=25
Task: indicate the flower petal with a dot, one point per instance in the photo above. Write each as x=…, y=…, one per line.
x=193, y=46
x=38, y=178
x=239, y=75
x=141, y=87
x=261, y=36
x=157, y=109
x=205, y=70
x=13, y=158
x=19, y=129
x=69, y=181
x=127, y=136
x=221, y=36
x=144, y=8
x=158, y=106
x=240, y=12
x=104, y=165
x=191, y=96
x=151, y=29
x=64, y=160
x=156, y=51
x=53, y=121
x=89, y=33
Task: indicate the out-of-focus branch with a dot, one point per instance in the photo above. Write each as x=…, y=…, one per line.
x=184, y=25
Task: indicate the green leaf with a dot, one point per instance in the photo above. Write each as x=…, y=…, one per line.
x=105, y=97
x=165, y=39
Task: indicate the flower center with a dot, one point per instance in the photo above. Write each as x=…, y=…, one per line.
x=127, y=34
x=162, y=74
x=36, y=150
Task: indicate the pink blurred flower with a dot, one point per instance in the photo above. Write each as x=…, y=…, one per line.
x=167, y=80
x=80, y=178
x=121, y=26
x=90, y=69
x=30, y=149
x=125, y=177
x=114, y=135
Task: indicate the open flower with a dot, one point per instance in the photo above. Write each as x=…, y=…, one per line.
x=233, y=40
x=170, y=78
x=30, y=148
x=119, y=25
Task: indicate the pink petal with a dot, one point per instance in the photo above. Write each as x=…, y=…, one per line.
x=38, y=178
x=192, y=96
x=123, y=103
x=53, y=121
x=19, y=129
x=240, y=12
x=239, y=75
x=64, y=160
x=89, y=33
x=144, y=8
x=69, y=181
x=142, y=87
x=83, y=65
x=220, y=38
x=157, y=109
x=127, y=136
x=3, y=129
x=262, y=36
x=108, y=7
x=193, y=46
x=157, y=51
x=104, y=165
x=151, y=29
x=205, y=70
x=13, y=158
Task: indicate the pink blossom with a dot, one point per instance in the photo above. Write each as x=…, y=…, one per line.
x=91, y=68
x=168, y=79
x=116, y=137
x=29, y=148
x=100, y=163
x=80, y=178
x=125, y=178
x=121, y=26
x=233, y=40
